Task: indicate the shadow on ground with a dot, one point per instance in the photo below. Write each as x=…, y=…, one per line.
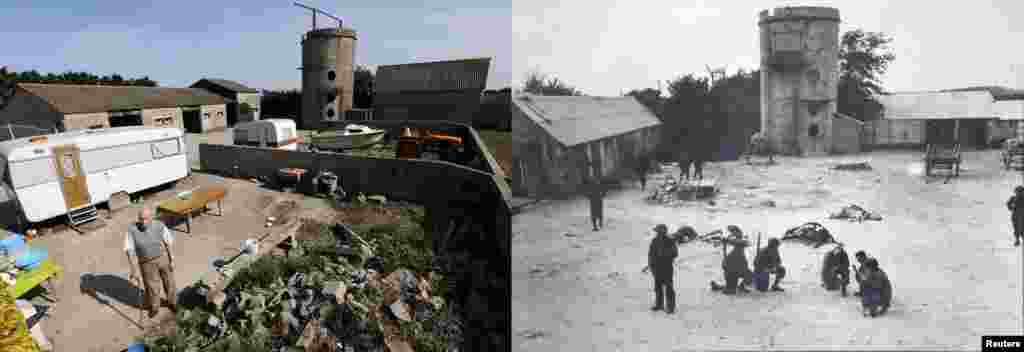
x=103, y=286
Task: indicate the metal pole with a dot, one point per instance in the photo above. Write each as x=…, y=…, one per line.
x=9, y=129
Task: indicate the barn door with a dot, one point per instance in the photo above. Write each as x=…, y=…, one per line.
x=595, y=160
x=72, y=179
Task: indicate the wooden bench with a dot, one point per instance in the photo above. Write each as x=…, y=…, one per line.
x=198, y=200
x=41, y=275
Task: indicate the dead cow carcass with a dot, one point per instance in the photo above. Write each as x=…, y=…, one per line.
x=811, y=233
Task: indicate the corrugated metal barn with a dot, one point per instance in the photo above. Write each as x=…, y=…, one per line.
x=444, y=90
x=561, y=140
x=911, y=119
x=71, y=107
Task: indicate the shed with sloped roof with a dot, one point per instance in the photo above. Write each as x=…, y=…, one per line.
x=561, y=141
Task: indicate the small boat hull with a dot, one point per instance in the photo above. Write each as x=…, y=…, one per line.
x=339, y=140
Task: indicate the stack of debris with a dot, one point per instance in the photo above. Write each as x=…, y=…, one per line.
x=328, y=294
x=862, y=166
x=673, y=192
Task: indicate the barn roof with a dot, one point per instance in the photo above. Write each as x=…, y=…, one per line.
x=434, y=76
x=978, y=104
x=228, y=85
x=574, y=120
x=73, y=99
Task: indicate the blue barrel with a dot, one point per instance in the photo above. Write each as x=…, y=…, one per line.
x=761, y=280
x=136, y=347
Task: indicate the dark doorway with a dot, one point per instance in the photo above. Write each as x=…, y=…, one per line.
x=973, y=133
x=191, y=120
x=940, y=131
x=126, y=120
x=232, y=114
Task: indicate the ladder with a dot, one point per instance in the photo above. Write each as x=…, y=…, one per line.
x=82, y=215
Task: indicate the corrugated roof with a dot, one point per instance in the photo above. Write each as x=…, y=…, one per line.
x=574, y=120
x=229, y=85
x=72, y=99
x=998, y=92
x=939, y=105
x=434, y=76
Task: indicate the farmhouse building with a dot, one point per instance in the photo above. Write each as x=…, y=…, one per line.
x=562, y=140
x=443, y=90
x=973, y=118
x=243, y=102
x=65, y=107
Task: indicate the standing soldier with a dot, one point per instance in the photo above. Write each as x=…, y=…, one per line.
x=660, y=258
x=1016, y=206
x=644, y=165
x=769, y=261
x=596, y=193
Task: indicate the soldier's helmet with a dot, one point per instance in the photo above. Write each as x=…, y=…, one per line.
x=661, y=229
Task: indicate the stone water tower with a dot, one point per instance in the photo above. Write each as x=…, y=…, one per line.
x=327, y=75
x=799, y=78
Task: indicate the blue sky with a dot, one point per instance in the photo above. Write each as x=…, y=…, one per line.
x=255, y=41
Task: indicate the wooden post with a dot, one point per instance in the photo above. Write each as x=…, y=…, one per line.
x=956, y=130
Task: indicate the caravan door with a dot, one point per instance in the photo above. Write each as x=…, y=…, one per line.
x=71, y=177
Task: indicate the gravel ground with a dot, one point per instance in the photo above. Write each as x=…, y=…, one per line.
x=946, y=247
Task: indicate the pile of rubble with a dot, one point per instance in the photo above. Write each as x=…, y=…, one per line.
x=674, y=192
x=341, y=301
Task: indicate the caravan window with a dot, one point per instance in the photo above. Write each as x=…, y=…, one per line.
x=166, y=148
x=108, y=158
x=32, y=172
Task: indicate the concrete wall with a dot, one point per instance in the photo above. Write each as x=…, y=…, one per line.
x=809, y=35
x=213, y=117
x=896, y=132
x=253, y=99
x=28, y=109
x=846, y=135
x=150, y=117
x=324, y=51
x=86, y=120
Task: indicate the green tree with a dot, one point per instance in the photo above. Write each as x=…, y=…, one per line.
x=652, y=99
x=362, y=92
x=863, y=59
x=539, y=84
x=7, y=88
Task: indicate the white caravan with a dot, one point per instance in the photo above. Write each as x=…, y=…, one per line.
x=267, y=133
x=64, y=173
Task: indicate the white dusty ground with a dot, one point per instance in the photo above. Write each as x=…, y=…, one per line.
x=946, y=247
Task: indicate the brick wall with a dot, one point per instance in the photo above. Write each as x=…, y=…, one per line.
x=217, y=118
x=477, y=256
x=164, y=117
x=86, y=120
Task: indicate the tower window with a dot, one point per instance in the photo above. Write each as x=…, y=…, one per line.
x=330, y=112
x=813, y=130
x=331, y=75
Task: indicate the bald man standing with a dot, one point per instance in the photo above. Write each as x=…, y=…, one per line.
x=150, y=242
